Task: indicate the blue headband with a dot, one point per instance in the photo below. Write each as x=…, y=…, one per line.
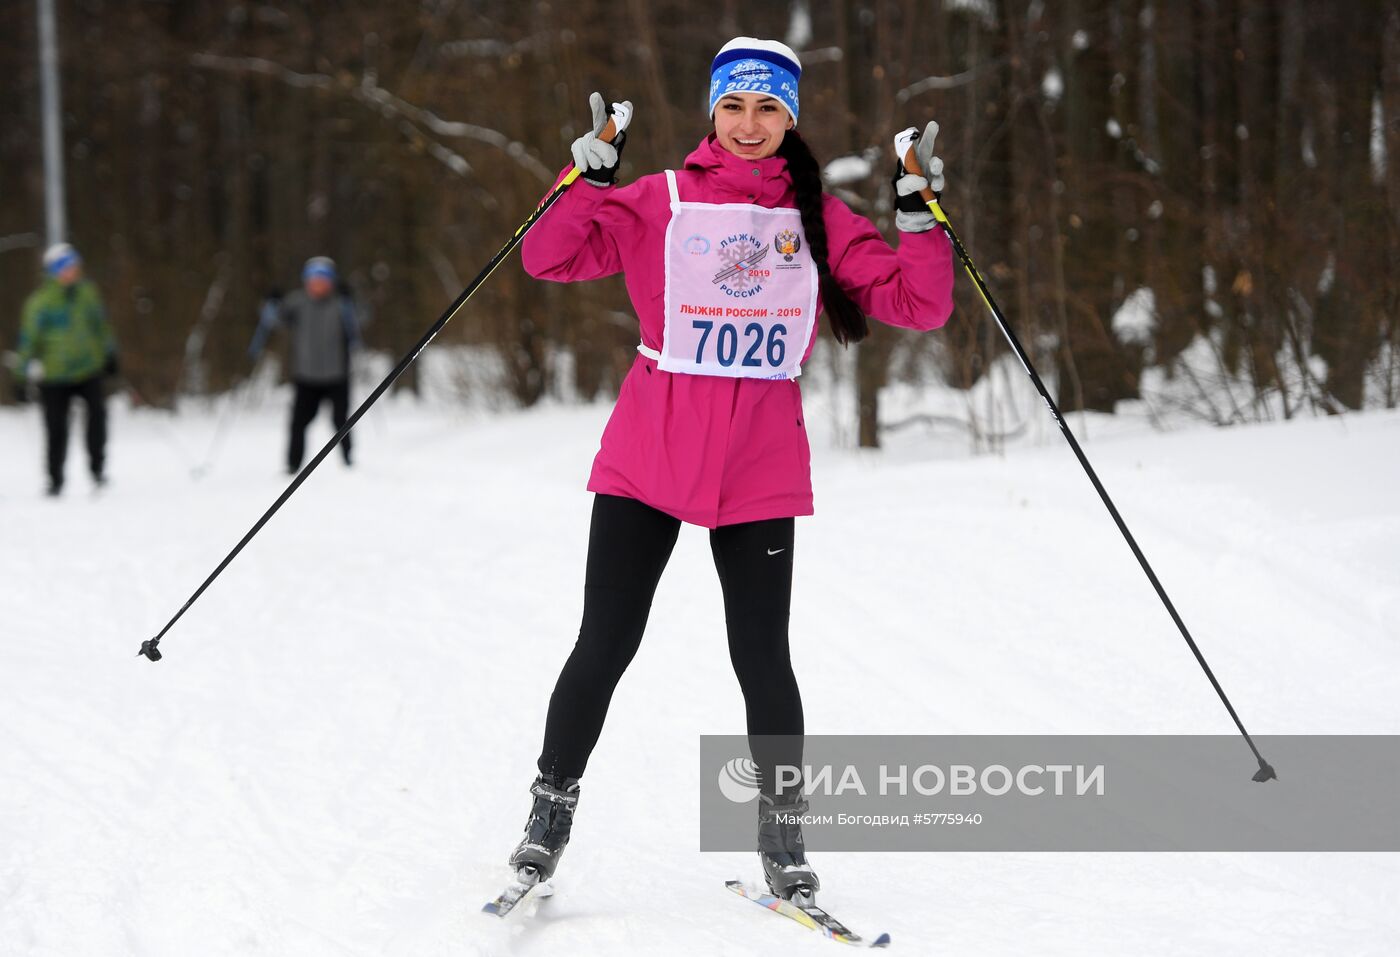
x=60, y=263
x=755, y=71
x=318, y=267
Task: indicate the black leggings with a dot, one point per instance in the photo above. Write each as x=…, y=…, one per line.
x=628, y=546
x=309, y=396
x=57, y=399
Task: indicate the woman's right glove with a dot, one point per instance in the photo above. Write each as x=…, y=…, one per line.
x=598, y=159
x=912, y=214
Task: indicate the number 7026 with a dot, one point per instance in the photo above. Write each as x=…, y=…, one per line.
x=772, y=344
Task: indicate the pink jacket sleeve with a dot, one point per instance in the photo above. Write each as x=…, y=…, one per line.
x=911, y=287
x=580, y=237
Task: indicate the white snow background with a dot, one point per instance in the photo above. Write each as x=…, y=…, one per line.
x=334, y=755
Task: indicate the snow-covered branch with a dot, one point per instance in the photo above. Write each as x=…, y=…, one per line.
x=414, y=120
x=945, y=82
x=18, y=241
x=373, y=93
x=492, y=47
x=250, y=64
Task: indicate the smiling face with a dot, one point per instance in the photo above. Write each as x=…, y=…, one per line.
x=751, y=125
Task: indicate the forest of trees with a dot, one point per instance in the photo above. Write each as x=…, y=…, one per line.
x=1230, y=157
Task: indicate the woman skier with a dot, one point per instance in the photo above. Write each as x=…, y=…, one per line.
x=728, y=262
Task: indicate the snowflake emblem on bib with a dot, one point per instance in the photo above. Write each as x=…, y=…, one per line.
x=740, y=259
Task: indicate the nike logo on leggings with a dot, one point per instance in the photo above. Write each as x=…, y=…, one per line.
x=774, y=551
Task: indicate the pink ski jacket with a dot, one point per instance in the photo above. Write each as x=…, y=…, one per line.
x=709, y=450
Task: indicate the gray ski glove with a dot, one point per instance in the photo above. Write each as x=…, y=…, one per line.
x=911, y=211
x=597, y=159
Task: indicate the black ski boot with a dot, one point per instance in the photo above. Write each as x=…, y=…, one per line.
x=780, y=848
x=546, y=830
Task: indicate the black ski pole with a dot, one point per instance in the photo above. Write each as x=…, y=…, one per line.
x=911, y=164
x=167, y=431
x=150, y=648
x=237, y=401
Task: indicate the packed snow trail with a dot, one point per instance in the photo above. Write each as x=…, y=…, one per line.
x=333, y=758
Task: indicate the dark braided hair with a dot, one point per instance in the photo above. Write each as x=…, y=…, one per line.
x=848, y=323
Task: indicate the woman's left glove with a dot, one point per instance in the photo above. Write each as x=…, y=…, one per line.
x=912, y=214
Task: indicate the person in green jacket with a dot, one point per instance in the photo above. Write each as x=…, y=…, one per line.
x=65, y=329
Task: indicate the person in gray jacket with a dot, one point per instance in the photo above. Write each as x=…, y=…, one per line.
x=324, y=322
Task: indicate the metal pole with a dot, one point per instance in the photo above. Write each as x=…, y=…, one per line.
x=54, y=218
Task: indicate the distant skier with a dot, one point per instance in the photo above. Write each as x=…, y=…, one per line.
x=65, y=329
x=325, y=323
x=728, y=262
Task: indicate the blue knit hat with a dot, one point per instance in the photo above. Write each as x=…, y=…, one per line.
x=318, y=266
x=750, y=65
x=59, y=257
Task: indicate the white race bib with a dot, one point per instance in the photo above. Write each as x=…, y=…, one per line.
x=741, y=290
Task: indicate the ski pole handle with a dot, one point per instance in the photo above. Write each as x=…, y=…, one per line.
x=619, y=118
x=911, y=165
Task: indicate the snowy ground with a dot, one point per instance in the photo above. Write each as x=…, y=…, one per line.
x=333, y=757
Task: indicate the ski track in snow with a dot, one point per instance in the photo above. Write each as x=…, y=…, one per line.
x=333, y=757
